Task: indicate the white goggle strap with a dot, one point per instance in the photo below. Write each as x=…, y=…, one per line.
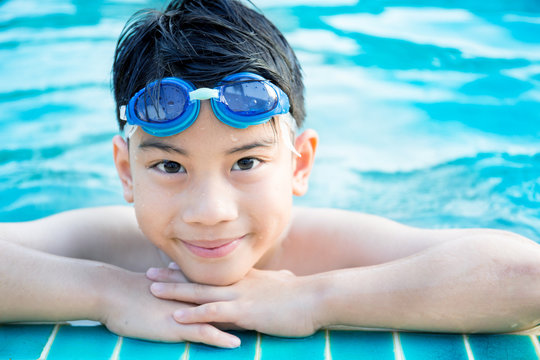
x=287, y=123
x=129, y=129
x=122, y=111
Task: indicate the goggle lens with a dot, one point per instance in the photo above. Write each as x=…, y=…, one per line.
x=161, y=104
x=249, y=98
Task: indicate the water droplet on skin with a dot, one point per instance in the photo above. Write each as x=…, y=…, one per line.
x=234, y=138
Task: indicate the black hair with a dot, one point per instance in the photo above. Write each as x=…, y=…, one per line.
x=203, y=41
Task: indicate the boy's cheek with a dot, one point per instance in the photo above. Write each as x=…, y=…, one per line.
x=150, y=208
x=151, y=224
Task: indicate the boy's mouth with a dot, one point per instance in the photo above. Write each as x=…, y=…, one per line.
x=212, y=248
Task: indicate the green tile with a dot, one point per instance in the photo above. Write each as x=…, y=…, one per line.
x=20, y=342
x=311, y=347
x=376, y=345
x=82, y=342
x=245, y=351
x=418, y=346
x=494, y=347
x=134, y=349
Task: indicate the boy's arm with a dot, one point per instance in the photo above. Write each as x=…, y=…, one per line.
x=475, y=284
x=443, y=280
x=36, y=286
x=42, y=266
x=461, y=286
x=106, y=234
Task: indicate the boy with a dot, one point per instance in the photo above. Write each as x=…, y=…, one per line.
x=209, y=94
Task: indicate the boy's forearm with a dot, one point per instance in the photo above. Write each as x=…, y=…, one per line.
x=36, y=286
x=461, y=286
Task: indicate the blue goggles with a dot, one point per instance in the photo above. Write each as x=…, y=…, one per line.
x=169, y=106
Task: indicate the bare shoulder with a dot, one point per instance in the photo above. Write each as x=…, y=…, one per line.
x=331, y=239
x=109, y=234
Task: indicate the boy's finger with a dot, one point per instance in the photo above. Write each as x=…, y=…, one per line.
x=166, y=275
x=219, y=312
x=191, y=293
x=208, y=334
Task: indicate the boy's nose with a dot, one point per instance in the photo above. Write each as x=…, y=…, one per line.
x=210, y=203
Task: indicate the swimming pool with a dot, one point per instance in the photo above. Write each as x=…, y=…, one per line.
x=429, y=115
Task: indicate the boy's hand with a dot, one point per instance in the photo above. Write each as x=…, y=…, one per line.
x=132, y=311
x=272, y=302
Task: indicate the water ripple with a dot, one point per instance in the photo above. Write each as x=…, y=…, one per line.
x=496, y=190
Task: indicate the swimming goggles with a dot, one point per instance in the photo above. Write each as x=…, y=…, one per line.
x=169, y=106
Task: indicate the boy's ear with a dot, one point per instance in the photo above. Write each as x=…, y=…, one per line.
x=123, y=167
x=306, y=145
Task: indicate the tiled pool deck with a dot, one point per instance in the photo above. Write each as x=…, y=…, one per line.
x=63, y=341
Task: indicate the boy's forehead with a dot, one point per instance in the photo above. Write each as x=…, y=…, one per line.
x=216, y=136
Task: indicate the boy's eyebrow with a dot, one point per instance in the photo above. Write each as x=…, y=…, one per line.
x=255, y=144
x=162, y=146
x=173, y=149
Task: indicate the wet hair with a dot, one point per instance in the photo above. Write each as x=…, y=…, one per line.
x=203, y=41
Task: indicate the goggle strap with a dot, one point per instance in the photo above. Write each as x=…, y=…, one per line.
x=122, y=111
x=287, y=123
x=129, y=130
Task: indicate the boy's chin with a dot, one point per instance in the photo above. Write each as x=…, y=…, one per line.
x=215, y=279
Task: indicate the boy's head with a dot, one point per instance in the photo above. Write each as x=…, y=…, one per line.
x=203, y=41
x=217, y=199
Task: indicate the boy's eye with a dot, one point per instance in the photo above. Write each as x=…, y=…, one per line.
x=169, y=167
x=246, y=164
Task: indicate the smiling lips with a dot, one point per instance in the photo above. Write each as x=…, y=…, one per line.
x=213, y=249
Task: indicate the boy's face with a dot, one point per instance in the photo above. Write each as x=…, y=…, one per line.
x=215, y=199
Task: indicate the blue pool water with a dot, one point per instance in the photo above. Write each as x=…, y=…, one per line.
x=429, y=115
